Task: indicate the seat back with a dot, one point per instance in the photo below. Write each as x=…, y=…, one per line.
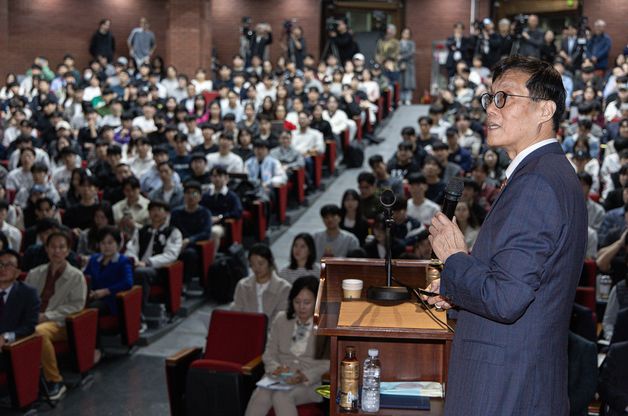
x=130, y=308
x=21, y=359
x=236, y=337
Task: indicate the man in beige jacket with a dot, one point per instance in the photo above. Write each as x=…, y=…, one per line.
x=63, y=291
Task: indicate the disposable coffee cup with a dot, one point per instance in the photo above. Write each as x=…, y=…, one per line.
x=352, y=288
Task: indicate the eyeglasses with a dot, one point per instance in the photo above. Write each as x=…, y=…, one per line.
x=499, y=98
x=7, y=266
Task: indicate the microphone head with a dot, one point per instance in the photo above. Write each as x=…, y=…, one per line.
x=454, y=188
x=387, y=198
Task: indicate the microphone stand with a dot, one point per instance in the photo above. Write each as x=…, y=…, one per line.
x=388, y=293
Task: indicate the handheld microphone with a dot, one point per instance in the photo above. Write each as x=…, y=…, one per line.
x=453, y=192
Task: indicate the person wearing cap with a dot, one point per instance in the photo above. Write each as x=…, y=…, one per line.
x=152, y=178
x=225, y=157
x=155, y=245
x=195, y=223
x=41, y=187
x=265, y=170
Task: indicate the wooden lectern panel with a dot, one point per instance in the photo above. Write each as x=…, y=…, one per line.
x=416, y=351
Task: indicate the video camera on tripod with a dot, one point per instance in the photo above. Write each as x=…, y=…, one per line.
x=521, y=21
x=581, y=34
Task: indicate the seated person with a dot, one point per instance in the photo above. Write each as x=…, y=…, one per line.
x=143, y=160
x=42, y=208
x=263, y=291
x=36, y=254
x=132, y=211
x=287, y=155
x=264, y=170
x=369, y=199
x=402, y=163
x=181, y=157
x=613, y=386
x=611, y=258
x=376, y=247
x=419, y=207
x=79, y=217
x=224, y=156
x=266, y=132
x=383, y=179
x=309, y=142
x=302, y=259
x=88, y=242
x=20, y=302
x=21, y=176
x=155, y=245
x=13, y=234
x=169, y=191
x=617, y=300
x=198, y=170
x=195, y=224
x=222, y=202
x=468, y=223
x=422, y=248
x=244, y=149
x=293, y=347
x=41, y=185
x=152, y=178
x=351, y=218
x=114, y=193
x=432, y=170
x=63, y=291
x=405, y=228
x=333, y=241
x=208, y=146
x=110, y=272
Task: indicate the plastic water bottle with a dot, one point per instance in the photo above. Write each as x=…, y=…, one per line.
x=604, y=286
x=370, y=382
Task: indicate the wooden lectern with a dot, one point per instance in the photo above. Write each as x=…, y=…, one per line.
x=406, y=353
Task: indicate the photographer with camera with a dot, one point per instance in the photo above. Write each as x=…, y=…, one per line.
x=531, y=37
x=258, y=40
x=488, y=44
x=459, y=48
x=599, y=46
x=340, y=40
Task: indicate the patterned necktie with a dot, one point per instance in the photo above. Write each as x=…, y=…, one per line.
x=503, y=185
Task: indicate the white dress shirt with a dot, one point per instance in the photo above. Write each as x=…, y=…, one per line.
x=525, y=152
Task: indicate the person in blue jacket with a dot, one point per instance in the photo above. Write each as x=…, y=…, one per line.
x=110, y=272
x=599, y=46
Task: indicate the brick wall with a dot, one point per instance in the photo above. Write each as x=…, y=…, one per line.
x=227, y=14
x=55, y=27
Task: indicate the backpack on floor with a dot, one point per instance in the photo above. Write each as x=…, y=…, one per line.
x=354, y=155
x=225, y=273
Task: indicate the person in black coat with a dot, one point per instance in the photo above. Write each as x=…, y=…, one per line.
x=103, y=43
x=459, y=48
x=19, y=303
x=613, y=387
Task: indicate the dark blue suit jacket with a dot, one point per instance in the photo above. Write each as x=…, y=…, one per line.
x=21, y=310
x=515, y=292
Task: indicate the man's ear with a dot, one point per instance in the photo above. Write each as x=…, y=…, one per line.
x=548, y=108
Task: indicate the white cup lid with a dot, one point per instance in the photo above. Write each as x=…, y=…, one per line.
x=352, y=284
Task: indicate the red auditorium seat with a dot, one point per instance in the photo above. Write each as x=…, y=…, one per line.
x=296, y=185
x=585, y=296
x=80, y=345
x=331, y=153
x=170, y=293
x=308, y=409
x=318, y=169
x=129, y=319
x=22, y=362
x=207, y=258
x=255, y=218
x=282, y=202
x=232, y=360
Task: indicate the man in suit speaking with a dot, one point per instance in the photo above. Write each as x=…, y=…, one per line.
x=516, y=290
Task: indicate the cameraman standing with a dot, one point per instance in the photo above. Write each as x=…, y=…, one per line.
x=342, y=39
x=296, y=46
x=259, y=41
x=532, y=38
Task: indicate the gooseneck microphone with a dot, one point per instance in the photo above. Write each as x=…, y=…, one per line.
x=453, y=192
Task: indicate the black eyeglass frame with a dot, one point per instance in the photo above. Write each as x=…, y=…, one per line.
x=491, y=97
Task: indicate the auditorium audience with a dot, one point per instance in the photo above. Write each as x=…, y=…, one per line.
x=303, y=260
